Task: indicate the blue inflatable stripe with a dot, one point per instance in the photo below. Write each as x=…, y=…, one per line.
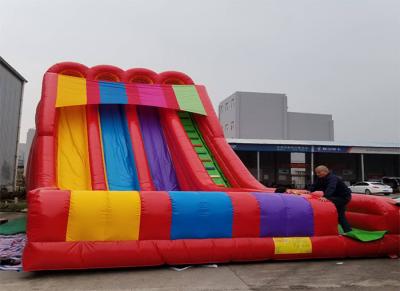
x=112, y=93
x=201, y=215
x=117, y=148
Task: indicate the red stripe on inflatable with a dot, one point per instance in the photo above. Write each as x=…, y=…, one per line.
x=207, y=136
x=367, y=221
x=156, y=216
x=389, y=245
x=325, y=216
x=195, y=251
x=113, y=254
x=133, y=94
x=48, y=215
x=185, y=182
x=42, y=167
x=46, y=115
x=332, y=246
x=84, y=255
x=95, y=148
x=145, y=179
x=170, y=97
x=372, y=213
x=32, y=160
x=93, y=92
x=253, y=249
x=55, y=145
x=216, y=128
x=47, y=169
x=246, y=215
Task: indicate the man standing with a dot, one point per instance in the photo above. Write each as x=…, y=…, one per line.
x=335, y=191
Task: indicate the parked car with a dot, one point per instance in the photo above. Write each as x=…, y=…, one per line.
x=371, y=188
x=393, y=182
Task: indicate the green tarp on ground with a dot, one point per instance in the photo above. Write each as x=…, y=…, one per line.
x=13, y=226
x=363, y=235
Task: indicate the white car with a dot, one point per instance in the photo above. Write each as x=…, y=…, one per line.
x=371, y=188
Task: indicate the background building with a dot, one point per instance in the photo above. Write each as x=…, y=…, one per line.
x=290, y=163
x=11, y=91
x=265, y=116
x=21, y=157
x=29, y=138
x=23, y=151
x=282, y=148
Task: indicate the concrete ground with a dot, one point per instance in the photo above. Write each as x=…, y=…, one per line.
x=11, y=215
x=354, y=274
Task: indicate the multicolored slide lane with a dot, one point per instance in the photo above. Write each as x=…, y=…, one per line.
x=131, y=168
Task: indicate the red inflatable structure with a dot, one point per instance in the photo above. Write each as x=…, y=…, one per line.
x=131, y=168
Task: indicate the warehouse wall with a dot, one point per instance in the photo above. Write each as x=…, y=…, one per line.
x=262, y=115
x=252, y=115
x=10, y=105
x=308, y=126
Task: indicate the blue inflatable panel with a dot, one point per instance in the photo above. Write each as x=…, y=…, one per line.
x=201, y=215
x=117, y=147
x=113, y=93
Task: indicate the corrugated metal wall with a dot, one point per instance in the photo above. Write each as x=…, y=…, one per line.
x=10, y=104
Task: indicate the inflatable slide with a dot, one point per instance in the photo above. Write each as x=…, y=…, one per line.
x=131, y=168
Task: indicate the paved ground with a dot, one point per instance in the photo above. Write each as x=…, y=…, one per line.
x=11, y=215
x=365, y=274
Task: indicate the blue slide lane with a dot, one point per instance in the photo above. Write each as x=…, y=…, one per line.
x=117, y=146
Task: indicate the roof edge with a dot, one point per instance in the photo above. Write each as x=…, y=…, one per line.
x=313, y=142
x=12, y=70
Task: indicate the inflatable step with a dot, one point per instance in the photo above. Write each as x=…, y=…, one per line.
x=202, y=150
x=363, y=235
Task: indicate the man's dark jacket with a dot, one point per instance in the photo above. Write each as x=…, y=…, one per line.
x=332, y=187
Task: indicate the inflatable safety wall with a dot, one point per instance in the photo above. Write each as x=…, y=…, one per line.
x=131, y=168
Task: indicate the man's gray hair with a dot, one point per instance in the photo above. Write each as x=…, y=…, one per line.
x=322, y=168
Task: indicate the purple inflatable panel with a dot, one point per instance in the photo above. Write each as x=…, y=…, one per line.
x=161, y=167
x=284, y=215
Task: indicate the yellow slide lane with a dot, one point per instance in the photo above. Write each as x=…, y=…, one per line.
x=73, y=168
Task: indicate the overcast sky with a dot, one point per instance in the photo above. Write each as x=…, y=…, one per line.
x=339, y=57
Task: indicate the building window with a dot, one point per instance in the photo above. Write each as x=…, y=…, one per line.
x=226, y=127
x=226, y=106
x=232, y=125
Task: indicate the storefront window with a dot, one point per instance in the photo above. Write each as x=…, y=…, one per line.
x=249, y=159
x=345, y=166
